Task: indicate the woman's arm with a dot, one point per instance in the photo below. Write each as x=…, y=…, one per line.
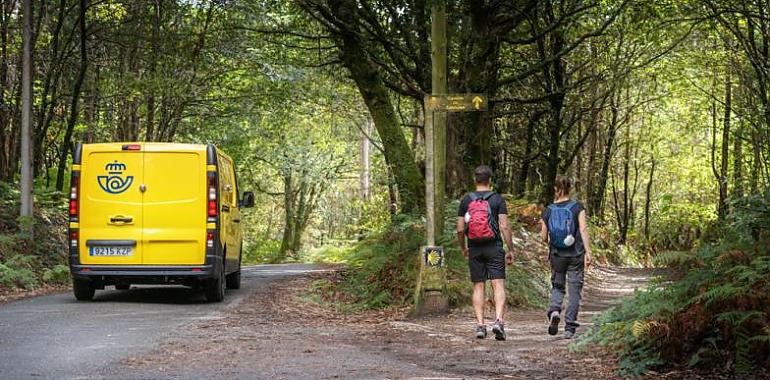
x=544, y=235
x=585, y=236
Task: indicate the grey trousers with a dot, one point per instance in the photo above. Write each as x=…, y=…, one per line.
x=566, y=272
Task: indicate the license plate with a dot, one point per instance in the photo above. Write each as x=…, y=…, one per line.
x=111, y=251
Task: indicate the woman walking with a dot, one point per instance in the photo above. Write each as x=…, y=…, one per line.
x=563, y=227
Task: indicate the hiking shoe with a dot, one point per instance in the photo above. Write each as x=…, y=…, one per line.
x=569, y=334
x=498, y=330
x=481, y=331
x=553, y=328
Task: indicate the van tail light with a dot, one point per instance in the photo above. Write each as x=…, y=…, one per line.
x=74, y=238
x=211, y=196
x=74, y=209
x=210, y=234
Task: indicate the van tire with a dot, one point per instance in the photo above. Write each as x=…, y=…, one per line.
x=234, y=279
x=215, y=287
x=83, y=289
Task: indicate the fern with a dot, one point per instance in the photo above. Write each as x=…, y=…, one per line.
x=715, y=312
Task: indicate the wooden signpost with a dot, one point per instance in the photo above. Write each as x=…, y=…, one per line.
x=430, y=293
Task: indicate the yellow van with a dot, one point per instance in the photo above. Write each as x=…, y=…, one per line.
x=155, y=213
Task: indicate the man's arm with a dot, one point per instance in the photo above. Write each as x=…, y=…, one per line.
x=586, y=238
x=461, y=235
x=505, y=229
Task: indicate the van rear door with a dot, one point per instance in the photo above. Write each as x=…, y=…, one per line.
x=174, y=204
x=111, y=204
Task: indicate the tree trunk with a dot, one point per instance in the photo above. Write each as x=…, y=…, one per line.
x=26, y=114
x=625, y=217
x=6, y=169
x=596, y=202
x=288, y=207
x=554, y=84
x=554, y=129
x=366, y=164
x=738, y=161
x=50, y=88
x=73, y=116
x=150, y=99
x=723, y=179
x=590, y=173
x=756, y=162
x=392, y=194
x=370, y=84
x=520, y=185
x=648, y=199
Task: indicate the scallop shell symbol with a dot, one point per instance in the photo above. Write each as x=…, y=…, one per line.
x=434, y=258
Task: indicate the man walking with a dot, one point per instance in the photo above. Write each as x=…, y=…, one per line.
x=563, y=227
x=482, y=219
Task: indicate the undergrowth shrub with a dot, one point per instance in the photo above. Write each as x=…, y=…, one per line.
x=713, y=312
x=59, y=274
x=680, y=226
x=29, y=261
x=265, y=251
x=382, y=269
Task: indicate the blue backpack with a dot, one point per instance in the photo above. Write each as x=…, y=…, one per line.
x=561, y=225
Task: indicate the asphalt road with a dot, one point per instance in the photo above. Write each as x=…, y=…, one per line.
x=57, y=337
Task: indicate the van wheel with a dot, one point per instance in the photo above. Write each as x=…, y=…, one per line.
x=215, y=287
x=83, y=289
x=234, y=279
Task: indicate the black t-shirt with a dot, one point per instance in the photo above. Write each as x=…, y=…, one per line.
x=496, y=203
x=578, y=248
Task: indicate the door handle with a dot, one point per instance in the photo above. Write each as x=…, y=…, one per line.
x=236, y=220
x=225, y=208
x=120, y=219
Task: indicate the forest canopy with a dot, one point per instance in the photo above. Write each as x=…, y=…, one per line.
x=658, y=110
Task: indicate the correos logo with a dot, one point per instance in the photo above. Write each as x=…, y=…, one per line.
x=114, y=182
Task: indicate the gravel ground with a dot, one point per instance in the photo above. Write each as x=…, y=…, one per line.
x=277, y=333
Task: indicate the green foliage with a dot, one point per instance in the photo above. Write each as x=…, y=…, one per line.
x=716, y=310
x=12, y=277
x=679, y=226
x=335, y=254
x=29, y=262
x=265, y=251
x=59, y=274
x=382, y=268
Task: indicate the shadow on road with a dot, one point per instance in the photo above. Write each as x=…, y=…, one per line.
x=157, y=294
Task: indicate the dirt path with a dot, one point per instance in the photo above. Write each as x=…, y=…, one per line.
x=272, y=334
x=275, y=334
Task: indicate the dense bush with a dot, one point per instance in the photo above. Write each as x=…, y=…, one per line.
x=714, y=312
x=679, y=226
x=382, y=269
x=28, y=261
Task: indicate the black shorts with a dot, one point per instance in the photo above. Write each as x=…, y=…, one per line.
x=486, y=263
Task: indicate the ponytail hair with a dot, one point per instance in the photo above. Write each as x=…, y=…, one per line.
x=563, y=186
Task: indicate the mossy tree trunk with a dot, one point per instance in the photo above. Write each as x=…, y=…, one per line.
x=365, y=74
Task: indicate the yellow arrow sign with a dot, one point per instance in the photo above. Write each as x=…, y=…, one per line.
x=477, y=102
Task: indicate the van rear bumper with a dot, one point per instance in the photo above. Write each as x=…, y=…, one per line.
x=91, y=271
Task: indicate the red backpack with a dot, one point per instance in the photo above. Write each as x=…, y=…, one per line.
x=480, y=224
